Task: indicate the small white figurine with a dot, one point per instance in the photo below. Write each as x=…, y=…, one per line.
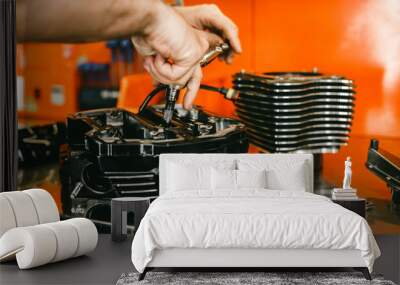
x=347, y=174
x=346, y=192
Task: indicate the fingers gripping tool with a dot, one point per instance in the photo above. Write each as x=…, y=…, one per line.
x=173, y=90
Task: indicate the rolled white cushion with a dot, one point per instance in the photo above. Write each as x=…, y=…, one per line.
x=66, y=238
x=23, y=208
x=7, y=218
x=37, y=245
x=45, y=205
x=87, y=235
x=33, y=246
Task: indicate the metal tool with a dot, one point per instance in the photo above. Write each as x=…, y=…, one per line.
x=213, y=54
x=173, y=90
x=172, y=95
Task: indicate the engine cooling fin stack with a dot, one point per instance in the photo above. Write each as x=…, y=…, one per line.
x=295, y=111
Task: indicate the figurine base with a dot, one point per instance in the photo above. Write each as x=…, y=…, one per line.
x=344, y=194
x=345, y=190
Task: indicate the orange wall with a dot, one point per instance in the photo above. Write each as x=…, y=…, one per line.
x=49, y=65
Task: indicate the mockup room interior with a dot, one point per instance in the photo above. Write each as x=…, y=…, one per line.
x=200, y=142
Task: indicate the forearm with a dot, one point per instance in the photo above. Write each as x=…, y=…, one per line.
x=83, y=20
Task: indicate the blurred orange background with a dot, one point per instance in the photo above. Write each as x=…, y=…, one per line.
x=359, y=39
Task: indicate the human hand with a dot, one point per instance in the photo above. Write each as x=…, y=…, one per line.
x=172, y=50
x=208, y=17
